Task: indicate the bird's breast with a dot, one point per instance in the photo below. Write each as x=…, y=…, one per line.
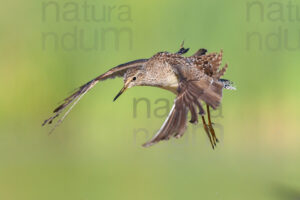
x=161, y=74
x=168, y=81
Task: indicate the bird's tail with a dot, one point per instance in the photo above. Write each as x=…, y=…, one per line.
x=227, y=84
x=71, y=100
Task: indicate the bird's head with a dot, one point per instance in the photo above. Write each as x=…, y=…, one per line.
x=133, y=77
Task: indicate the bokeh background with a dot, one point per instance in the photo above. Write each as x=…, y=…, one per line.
x=96, y=153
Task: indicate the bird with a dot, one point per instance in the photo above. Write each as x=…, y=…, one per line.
x=194, y=79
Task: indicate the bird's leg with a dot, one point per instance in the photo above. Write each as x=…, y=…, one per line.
x=207, y=132
x=211, y=129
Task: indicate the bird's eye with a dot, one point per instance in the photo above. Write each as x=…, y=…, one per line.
x=134, y=78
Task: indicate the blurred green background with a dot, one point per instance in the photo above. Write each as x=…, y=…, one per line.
x=96, y=153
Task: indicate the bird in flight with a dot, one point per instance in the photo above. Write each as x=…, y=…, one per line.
x=194, y=80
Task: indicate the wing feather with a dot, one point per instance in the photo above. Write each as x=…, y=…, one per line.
x=190, y=93
x=81, y=91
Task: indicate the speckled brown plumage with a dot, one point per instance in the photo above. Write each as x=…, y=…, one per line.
x=194, y=79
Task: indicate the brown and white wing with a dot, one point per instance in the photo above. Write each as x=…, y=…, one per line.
x=190, y=95
x=117, y=71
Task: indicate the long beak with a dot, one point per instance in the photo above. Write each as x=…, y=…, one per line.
x=121, y=91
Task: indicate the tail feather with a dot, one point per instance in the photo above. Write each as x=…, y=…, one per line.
x=227, y=84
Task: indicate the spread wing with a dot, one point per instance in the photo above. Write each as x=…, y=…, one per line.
x=190, y=95
x=81, y=91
